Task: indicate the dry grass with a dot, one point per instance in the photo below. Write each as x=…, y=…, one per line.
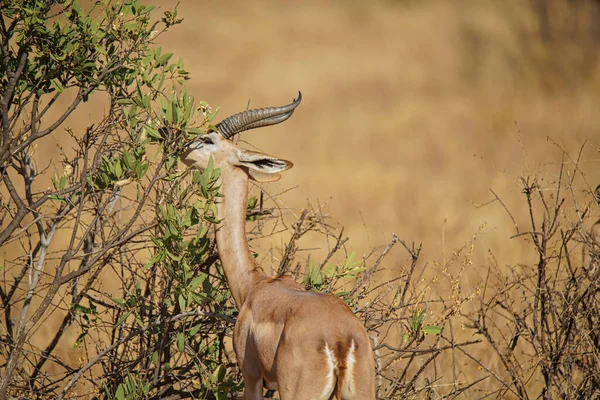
x=412, y=110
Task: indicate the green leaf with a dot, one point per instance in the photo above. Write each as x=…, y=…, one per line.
x=220, y=373
x=129, y=160
x=417, y=318
x=100, y=49
x=118, y=169
x=59, y=183
x=140, y=94
x=180, y=341
x=140, y=170
x=314, y=276
x=196, y=177
x=157, y=257
x=177, y=113
x=329, y=270
x=351, y=263
x=80, y=338
x=194, y=330
x=187, y=219
x=171, y=255
x=82, y=309
x=182, y=302
x=62, y=183
x=139, y=321
x=124, y=102
x=163, y=60
x=120, y=393
x=168, y=112
x=55, y=83
x=252, y=202
x=120, y=302
x=432, y=330
x=217, y=375
x=202, y=232
x=196, y=131
x=209, y=168
x=56, y=197
x=196, y=282
x=123, y=318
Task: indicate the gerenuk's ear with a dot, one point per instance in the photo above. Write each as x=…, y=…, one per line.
x=262, y=167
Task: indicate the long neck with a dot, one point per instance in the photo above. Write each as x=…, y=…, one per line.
x=239, y=266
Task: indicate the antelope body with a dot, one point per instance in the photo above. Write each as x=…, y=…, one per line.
x=306, y=345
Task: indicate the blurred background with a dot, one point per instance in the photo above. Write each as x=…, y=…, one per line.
x=412, y=111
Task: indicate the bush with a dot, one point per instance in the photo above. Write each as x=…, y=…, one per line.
x=541, y=320
x=117, y=191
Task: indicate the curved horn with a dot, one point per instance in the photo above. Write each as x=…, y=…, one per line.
x=251, y=119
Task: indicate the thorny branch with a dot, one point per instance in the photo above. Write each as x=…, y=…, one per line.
x=558, y=313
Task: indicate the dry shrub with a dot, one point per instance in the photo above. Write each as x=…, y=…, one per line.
x=540, y=319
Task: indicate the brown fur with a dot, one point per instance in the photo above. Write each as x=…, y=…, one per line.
x=341, y=354
x=282, y=330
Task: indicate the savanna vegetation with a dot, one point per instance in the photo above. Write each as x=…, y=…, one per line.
x=110, y=282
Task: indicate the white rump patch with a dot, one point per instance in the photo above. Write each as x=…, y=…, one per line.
x=332, y=367
x=348, y=385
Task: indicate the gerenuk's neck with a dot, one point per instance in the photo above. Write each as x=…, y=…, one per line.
x=240, y=269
